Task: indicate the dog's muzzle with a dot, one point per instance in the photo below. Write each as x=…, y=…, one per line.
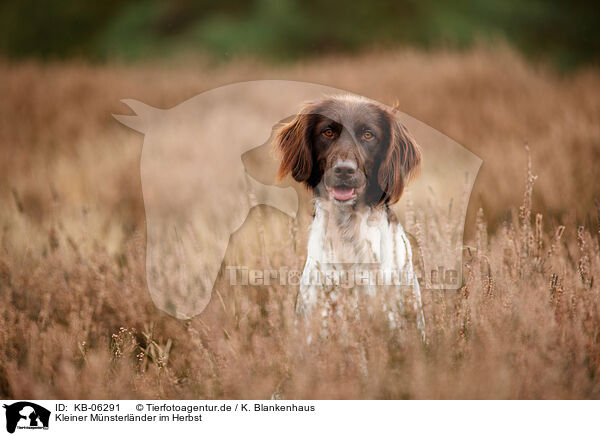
x=344, y=180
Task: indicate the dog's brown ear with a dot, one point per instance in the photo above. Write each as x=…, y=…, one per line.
x=293, y=141
x=401, y=163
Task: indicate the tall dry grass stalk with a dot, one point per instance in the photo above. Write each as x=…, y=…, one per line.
x=76, y=319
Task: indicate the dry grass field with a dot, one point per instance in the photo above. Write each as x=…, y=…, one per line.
x=77, y=322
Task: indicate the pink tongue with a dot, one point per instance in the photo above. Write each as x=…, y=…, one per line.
x=342, y=193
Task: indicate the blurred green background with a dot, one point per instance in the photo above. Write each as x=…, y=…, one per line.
x=566, y=33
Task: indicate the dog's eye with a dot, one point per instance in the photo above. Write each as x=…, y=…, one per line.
x=328, y=132
x=368, y=135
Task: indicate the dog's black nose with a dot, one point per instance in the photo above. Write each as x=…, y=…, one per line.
x=344, y=170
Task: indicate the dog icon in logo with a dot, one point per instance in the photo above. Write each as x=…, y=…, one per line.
x=24, y=414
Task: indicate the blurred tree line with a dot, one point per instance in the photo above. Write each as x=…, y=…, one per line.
x=565, y=31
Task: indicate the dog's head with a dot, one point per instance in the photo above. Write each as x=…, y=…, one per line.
x=349, y=150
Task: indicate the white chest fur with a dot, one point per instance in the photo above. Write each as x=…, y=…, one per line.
x=356, y=241
x=353, y=236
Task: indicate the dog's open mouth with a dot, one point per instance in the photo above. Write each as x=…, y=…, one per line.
x=344, y=193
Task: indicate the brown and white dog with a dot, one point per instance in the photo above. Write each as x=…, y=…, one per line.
x=357, y=158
